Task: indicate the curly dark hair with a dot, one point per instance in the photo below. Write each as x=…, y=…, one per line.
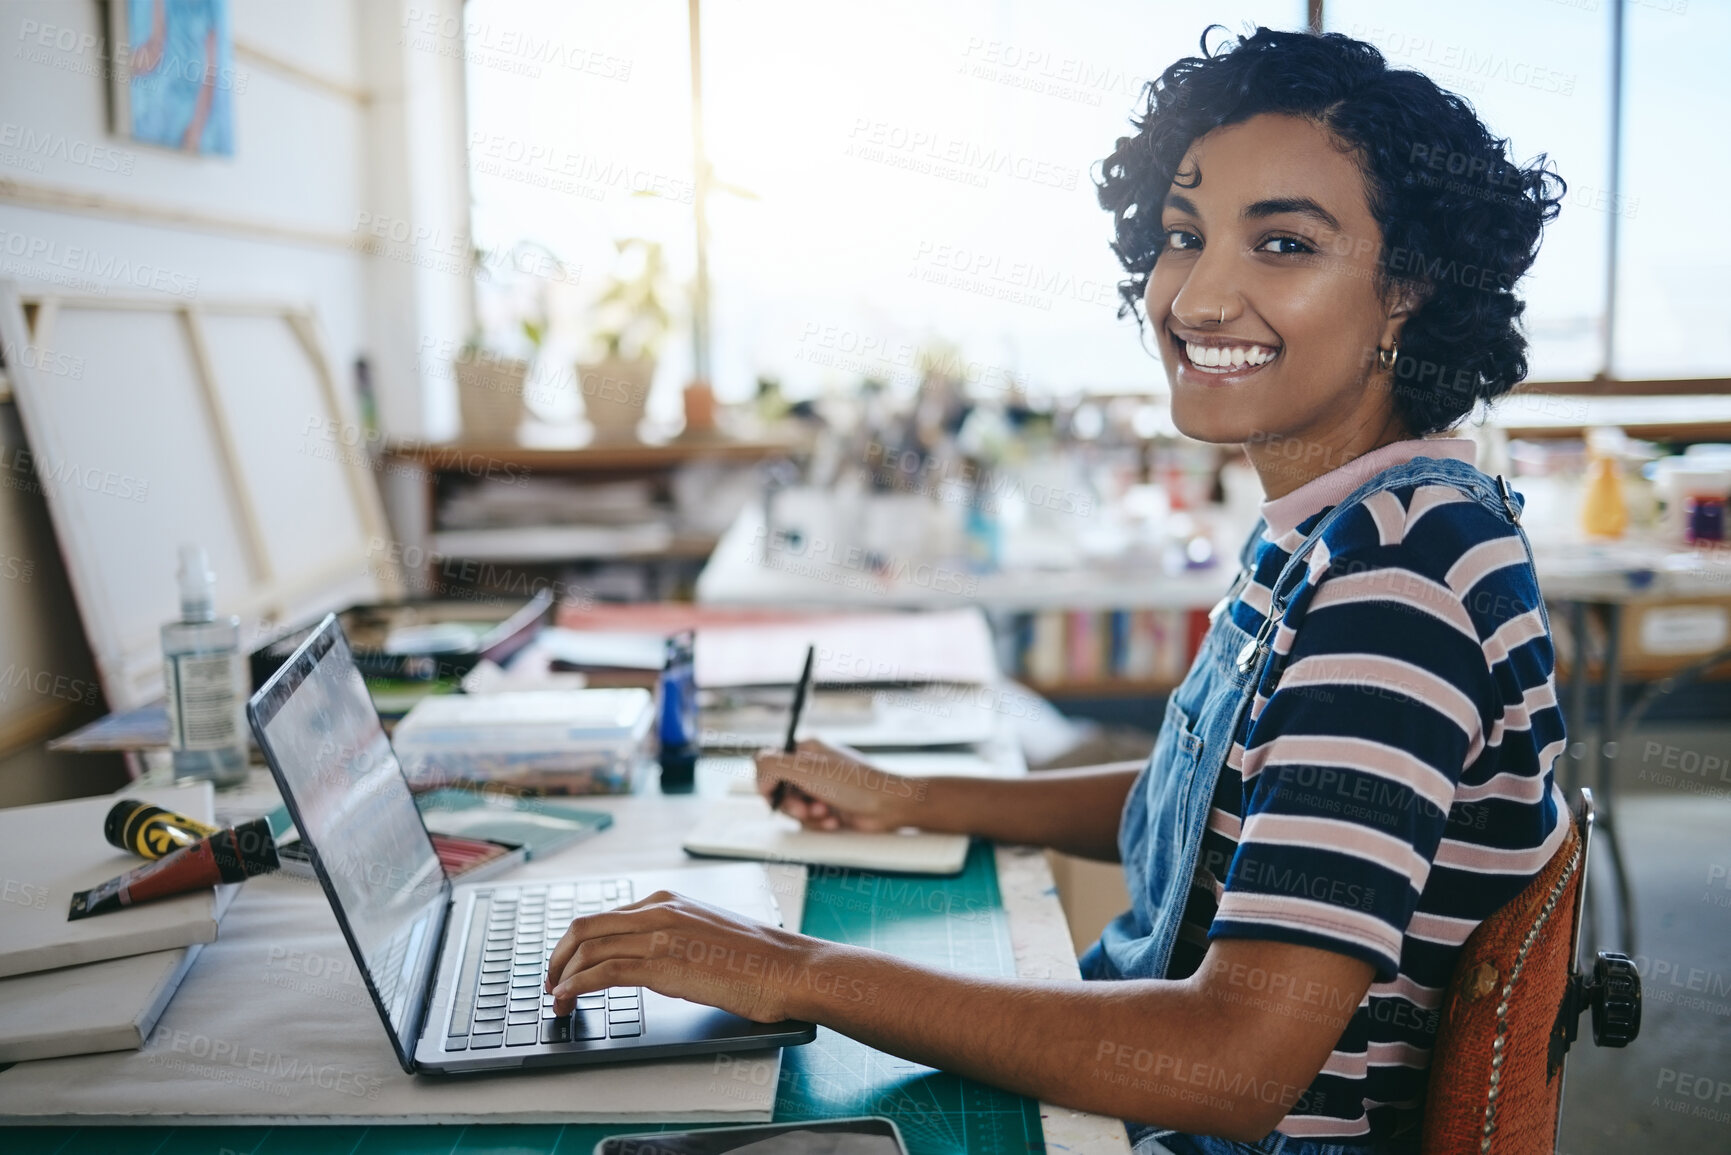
x=1460, y=221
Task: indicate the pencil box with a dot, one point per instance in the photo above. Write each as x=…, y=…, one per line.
x=464, y=859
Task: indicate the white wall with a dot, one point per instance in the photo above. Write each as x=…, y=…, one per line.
x=298, y=163
x=340, y=119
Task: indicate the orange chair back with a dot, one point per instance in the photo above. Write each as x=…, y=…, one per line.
x=1496, y=1075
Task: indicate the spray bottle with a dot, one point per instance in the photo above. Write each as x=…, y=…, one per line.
x=206, y=681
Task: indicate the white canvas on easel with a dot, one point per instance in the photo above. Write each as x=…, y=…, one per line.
x=155, y=421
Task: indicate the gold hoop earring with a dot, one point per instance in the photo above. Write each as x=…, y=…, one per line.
x=1385, y=358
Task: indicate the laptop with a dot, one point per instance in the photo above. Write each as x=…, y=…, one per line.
x=456, y=971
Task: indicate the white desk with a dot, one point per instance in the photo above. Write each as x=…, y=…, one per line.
x=331, y=1023
x=739, y=572
x=1613, y=578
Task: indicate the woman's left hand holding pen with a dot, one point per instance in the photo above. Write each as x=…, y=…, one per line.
x=829, y=787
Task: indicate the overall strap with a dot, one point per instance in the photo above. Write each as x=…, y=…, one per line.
x=1246, y=566
x=1247, y=555
x=1446, y=471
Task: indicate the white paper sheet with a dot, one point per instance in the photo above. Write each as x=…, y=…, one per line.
x=942, y=646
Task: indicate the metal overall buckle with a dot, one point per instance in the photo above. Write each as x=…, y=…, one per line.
x=1508, y=500
x=1237, y=587
x=1252, y=651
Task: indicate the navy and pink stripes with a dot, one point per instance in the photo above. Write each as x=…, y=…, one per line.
x=1394, y=789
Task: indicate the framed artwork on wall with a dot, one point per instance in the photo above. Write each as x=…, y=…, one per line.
x=174, y=79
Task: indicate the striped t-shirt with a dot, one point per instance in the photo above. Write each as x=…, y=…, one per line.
x=1395, y=789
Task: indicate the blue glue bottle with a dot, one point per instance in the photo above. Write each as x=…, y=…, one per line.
x=678, y=730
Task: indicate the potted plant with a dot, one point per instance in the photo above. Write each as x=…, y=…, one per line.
x=493, y=364
x=633, y=320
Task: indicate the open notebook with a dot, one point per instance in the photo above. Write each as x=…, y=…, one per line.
x=745, y=827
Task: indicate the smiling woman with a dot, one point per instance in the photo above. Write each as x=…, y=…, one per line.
x=1357, y=769
x=1356, y=212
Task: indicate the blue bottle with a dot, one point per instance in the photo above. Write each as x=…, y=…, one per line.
x=678, y=729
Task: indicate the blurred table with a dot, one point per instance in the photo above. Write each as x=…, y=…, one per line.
x=1642, y=574
x=829, y=574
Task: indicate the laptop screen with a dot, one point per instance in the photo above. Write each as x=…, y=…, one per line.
x=321, y=735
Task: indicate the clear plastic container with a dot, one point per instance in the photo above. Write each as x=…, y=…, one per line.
x=540, y=741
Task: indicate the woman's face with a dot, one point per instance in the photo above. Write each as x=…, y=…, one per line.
x=1265, y=293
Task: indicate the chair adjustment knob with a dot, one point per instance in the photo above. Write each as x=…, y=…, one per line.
x=1614, y=992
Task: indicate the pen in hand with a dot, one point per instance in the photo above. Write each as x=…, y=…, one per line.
x=779, y=793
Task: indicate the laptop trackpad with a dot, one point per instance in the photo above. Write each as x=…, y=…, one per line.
x=664, y=1018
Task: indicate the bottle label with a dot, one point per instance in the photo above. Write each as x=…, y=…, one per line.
x=203, y=708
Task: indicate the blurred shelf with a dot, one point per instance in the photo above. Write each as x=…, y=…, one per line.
x=1103, y=688
x=422, y=478
x=742, y=573
x=555, y=543
x=603, y=456
x=1536, y=414
x=1609, y=387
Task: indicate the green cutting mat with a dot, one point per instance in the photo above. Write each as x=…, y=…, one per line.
x=956, y=923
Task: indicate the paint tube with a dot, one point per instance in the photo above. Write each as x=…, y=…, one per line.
x=150, y=831
x=230, y=855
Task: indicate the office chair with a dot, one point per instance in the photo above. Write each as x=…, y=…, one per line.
x=1513, y=1008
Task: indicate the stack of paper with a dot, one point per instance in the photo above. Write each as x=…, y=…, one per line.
x=916, y=691
x=99, y=983
x=954, y=646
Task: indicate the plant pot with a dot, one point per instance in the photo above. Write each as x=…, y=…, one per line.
x=490, y=397
x=699, y=409
x=615, y=394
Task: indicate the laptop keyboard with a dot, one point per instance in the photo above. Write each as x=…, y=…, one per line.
x=499, y=1001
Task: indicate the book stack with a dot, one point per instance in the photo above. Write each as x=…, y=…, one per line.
x=1099, y=649
x=97, y=984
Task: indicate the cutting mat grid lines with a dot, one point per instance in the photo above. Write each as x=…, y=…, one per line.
x=954, y=923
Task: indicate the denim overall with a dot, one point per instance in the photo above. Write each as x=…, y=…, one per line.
x=1160, y=835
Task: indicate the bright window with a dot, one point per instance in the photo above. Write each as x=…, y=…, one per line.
x=903, y=176
x=579, y=134
x=1538, y=74
x=889, y=176
x=923, y=177
x=1674, y=280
